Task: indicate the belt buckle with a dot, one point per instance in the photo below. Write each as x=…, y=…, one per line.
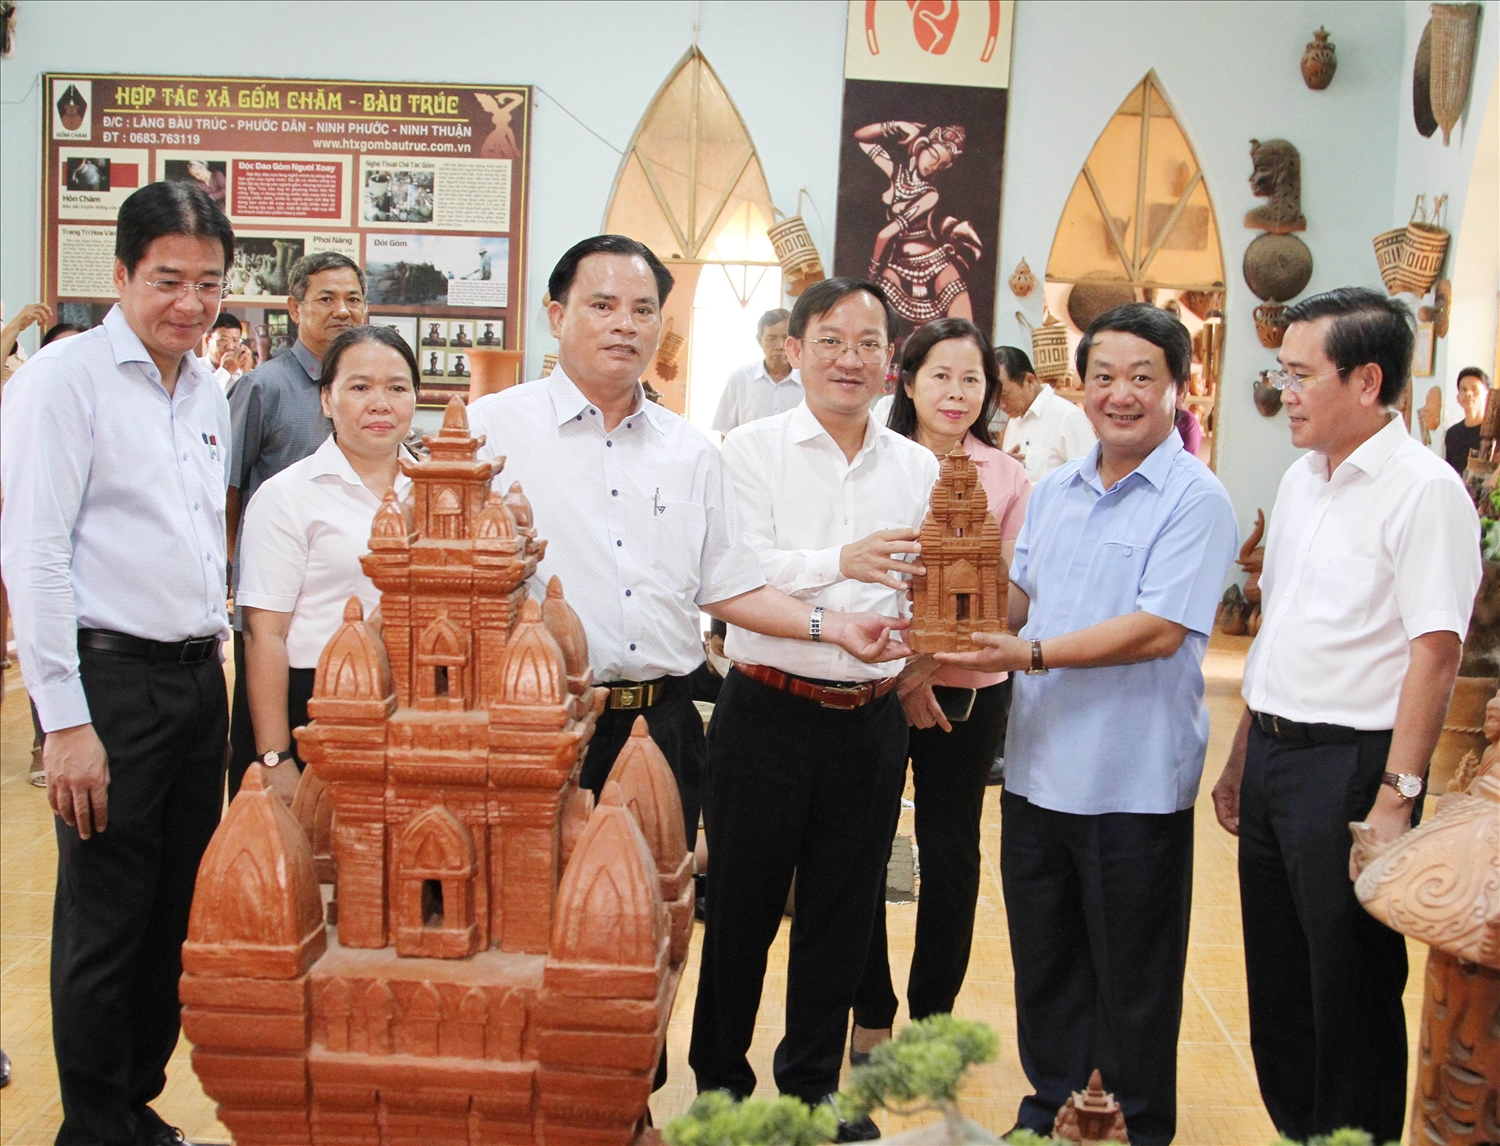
x=851, y=692
x=1276, y=727
x=192, y=647
x=627, y=696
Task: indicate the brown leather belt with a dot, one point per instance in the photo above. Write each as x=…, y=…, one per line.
x=844, y=697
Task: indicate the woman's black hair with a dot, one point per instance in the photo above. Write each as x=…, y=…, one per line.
x=357, y=336
x=57, y=330
x=918, y=346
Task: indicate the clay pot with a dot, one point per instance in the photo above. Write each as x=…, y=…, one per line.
x=1267, y=397
x=1270, y=325
x=1277, y=268
x=1022, y=281
x=1463, y=729
x=492, y=370
x=1319, y=62
x=1088, y=300
x=1454, y=32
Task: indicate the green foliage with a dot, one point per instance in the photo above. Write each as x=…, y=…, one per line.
x=1489, y=545
x=716, y=1119
x=1343, y=1137
x=926, y=1061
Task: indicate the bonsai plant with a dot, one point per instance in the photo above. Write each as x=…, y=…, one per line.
x=716, y=1119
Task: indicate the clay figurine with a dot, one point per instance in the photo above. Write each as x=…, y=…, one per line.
x=1091, y=1116
x=965, y=587
x=506, y=954
x=1277, y=178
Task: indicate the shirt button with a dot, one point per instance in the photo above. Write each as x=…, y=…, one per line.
x=619, y=543
x=578, y=417
x=591, y=411
x=1127, y=551
x=632, y=648
x=608, y=443
x=614, y=493
x=627, y=592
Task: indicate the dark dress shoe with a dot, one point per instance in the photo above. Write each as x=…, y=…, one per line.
x=152, y=1131
x=859, y=1130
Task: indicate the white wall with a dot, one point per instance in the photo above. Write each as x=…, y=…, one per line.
x=781, y=61
x=1475, y=262
x=1230, y=71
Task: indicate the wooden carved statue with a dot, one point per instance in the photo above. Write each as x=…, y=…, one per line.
x=1277, y=178
x=1440, y=883
x=1091, y=1116
x=506, y=954
x=965, y=587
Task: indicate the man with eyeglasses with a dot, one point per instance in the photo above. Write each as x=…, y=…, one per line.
x=1370, y=575
x=279, y=420
x=807, y=750
x=114, y=454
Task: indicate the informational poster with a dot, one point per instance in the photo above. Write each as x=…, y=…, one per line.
x=424, y=185
x=921, y=153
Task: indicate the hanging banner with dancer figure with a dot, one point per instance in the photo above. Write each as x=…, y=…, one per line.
x=422, y=185
x=921, y=153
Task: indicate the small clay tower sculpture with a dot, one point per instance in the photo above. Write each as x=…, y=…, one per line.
x=505, y=954
x=965, y=587
x=1091, y=1116
x=1440, y=883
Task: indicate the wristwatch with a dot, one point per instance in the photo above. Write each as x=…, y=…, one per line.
x=815, y=623
x=1037, y=667
x=271, y=759
x=1409, y=787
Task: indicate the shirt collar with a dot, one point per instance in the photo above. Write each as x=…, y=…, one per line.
x=1039, y=404
x=309, y=363
x=568, y=401
x=805, y=427
x=329, y=461
x=1371, y=454
x=762, y=373
x=1153, y=470
x=128, y=347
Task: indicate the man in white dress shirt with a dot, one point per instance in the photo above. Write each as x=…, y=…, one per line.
x=115, y=455
x=1044, y=430
x=1370, y=575
x=764, y=387
x=807, y=748
x=225, y=352
x=639, y=517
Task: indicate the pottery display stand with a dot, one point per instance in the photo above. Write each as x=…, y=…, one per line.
x=965, y=588
x=506, y=955
x=1440, y=883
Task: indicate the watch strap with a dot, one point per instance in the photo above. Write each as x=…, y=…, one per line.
x=815, y=624
x=1038, y=666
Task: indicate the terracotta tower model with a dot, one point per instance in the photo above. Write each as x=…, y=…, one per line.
x=965, y=587
x=499, y=957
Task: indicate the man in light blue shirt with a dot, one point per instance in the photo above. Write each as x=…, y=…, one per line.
x=1116, y=580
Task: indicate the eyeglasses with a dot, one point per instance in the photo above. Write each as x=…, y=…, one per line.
x=867, y=350
x=1296, y=383
x=208, y=290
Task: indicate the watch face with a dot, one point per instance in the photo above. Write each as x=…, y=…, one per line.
x=1409, y=786
x=271, y=759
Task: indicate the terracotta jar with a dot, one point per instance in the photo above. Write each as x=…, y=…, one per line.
x=1463, y=728
x=1319, y=62
x=494, y=369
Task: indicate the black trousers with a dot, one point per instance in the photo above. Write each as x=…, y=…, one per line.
x=299, y=690
x=123, y=896
x=949, y=770
x=678, y=731
x=796, y=788
x=241, y=731
x=1325, y=977
x=1098, y=911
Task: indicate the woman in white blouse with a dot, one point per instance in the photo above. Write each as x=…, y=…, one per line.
x=306, y=528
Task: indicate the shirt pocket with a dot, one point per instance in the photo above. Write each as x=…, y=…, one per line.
x=1340, y=589
x=676, y=530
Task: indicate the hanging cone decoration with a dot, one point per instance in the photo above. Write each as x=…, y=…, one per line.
x=1454, y=28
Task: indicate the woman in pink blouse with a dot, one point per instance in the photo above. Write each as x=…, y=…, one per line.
x=947, y=392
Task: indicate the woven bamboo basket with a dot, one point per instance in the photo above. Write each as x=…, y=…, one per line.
x=799, y=260
x=1454, y=29
x=1424, y=249
x=1049, y=348
x=1388, y=246
x=668, y=353
x=549, y=364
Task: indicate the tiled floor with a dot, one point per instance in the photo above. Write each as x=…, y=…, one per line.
x=1219, y=1102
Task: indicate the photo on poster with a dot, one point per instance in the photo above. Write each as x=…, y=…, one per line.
x=403, y=324
x=72, y=109
x=491, y=332
x=437, y=270
x=397, y=194
x=93, y=183
x=262, y=265
x=434, y=332
x=83, y=315
x=460, y=334
x=434, y=363
x=209, y=174
x=919, y=196
x=458, y=365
